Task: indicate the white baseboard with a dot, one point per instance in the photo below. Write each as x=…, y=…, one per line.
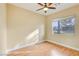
x=23, y=46
x=41, y=42
x=2, y=53
x=63, y=45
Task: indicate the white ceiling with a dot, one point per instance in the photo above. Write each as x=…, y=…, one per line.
x=34, y=6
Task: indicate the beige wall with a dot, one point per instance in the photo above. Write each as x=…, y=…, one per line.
x=70, y=40
x=21, y=23
x=3, y=28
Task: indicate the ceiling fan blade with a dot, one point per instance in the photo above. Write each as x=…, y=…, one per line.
x=51, y=7
x=50, y=4
x=40, y=4
x=39, y=9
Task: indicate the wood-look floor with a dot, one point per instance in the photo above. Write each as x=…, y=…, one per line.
x=44, y=49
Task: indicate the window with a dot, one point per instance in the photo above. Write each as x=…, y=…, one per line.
x=63, y=25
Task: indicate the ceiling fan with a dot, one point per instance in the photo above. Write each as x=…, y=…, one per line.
x=46, y=6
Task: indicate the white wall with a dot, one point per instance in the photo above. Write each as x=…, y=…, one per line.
x=21, y=23
x=64, y=39
x=3, y=28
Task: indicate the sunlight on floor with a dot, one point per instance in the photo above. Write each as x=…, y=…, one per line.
x=56, y=53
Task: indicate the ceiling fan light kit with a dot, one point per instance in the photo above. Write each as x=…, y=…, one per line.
x=46, y=6
x=45, y=9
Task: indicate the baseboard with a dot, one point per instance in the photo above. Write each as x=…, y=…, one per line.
x=2, y=53
x=23, y=46
x=41, y=42
x=63, y=45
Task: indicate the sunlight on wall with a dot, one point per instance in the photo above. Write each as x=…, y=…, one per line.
x=30, y=40
x=36, y=36
x=33, y=37
x=33, y=34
